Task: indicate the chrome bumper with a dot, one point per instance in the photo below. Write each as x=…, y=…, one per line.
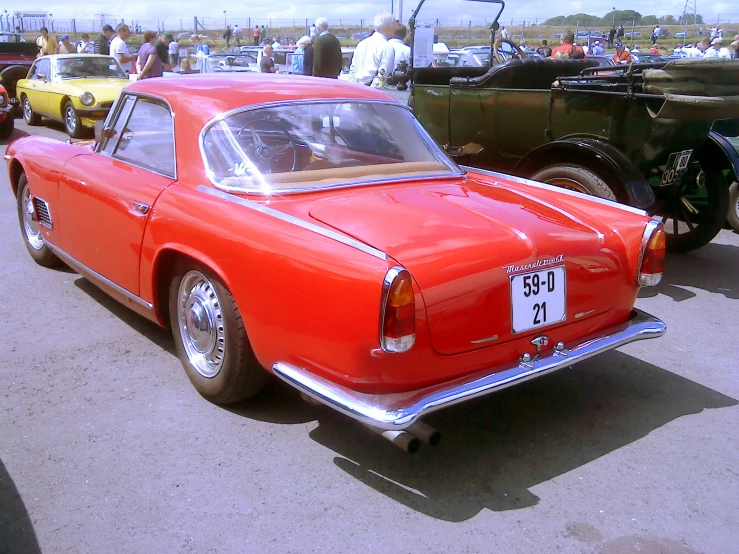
x=398, y=411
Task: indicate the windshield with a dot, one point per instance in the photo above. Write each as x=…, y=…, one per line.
x=85, y=67
x=310, y=146
x=235, y=62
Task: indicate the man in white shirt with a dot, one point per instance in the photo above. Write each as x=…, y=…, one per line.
x=401, y=50
x=85, y=45
x=717, y=49
x=119, y=49
x=374, y=53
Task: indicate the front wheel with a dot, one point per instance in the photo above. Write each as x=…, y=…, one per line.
x=29, y=116
x=72, y=123
x=210, y=337
x=695, y=213
x=30, y=230
x=575, y=177
x=7, y=126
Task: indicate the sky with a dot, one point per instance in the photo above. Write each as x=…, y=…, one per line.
x=334, y=9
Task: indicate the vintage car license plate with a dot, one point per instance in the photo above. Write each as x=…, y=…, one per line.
x=538, y=298
x=14, y=101
x=677, y=165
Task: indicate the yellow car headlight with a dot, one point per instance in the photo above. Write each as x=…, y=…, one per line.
x=87, y=99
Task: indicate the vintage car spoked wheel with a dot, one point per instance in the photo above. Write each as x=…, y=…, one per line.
x=269, y=146
x=29, y=116
x=502, y=55
x=695, y=210
x=733, y=215
x=30, y=229
x=210, y=337
x=72, y=123
x=574, y=177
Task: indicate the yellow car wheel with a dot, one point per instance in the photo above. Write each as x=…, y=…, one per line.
x=72, y=123
x=29, y=116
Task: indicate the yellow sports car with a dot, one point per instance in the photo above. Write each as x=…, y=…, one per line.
x=76, y=89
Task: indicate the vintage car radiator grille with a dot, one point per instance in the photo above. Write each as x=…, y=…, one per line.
x=42, y=212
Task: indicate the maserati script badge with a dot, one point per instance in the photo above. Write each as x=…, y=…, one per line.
x=537, y=264
x=540, y=342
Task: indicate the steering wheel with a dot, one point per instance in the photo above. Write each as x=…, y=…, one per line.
x=267, y=144
x=502, y=56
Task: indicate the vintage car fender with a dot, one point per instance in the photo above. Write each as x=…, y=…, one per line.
x=720, y=154
x=631, y=186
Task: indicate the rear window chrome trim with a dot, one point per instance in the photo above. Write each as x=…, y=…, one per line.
x=328, y=233
x=423, y=135
x=566, y=192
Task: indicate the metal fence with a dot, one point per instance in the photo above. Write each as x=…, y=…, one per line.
x=729, y=22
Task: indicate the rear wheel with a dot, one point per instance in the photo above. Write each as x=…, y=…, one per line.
x=30, y=230
x=575, y=177
x=733, y=215
x=72, y=123
x=695, y=210
x=29, y=116
x=210, y=336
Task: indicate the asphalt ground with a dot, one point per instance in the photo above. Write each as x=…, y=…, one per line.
x=106, y=447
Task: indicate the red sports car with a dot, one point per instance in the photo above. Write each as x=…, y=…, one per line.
x=312, y=229
x=7, y=123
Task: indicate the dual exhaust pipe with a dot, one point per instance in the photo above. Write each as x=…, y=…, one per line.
x=410, y=439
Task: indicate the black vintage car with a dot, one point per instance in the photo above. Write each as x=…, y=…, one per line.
x=638, y=134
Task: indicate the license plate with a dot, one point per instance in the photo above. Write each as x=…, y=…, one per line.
x=14, y=102
x=538, y=299
x=677, y=165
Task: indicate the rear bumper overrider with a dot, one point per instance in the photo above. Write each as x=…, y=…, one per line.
x=398, y=411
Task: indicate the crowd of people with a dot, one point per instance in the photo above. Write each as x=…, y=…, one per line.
x=708, y=47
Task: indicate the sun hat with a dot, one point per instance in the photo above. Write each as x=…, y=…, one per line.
x=717, y=40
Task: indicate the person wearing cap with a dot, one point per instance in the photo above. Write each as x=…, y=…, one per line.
x=621, y=55
x=66, y=47
x=717, y=49
x=85, y=46
x=119, y=49
x=47, y=45
x=568, y=45
x=162, y=47
x=102, y=43
x=598, y=50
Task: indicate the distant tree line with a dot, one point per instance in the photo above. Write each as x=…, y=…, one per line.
x=622, y=16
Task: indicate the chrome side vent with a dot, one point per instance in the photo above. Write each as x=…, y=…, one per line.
x=43, y=214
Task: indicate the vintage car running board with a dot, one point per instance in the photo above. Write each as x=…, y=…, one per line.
x=398, y=411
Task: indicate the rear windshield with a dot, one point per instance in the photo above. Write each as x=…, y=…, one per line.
x=315, y=145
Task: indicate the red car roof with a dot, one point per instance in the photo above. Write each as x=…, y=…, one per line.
x=202, y=97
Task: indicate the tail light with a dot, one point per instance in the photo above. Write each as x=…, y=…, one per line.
x=398, y=316
x=652, y=257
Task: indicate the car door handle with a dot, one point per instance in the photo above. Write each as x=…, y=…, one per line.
x=140, y=208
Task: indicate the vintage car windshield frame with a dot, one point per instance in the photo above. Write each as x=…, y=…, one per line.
x=425, y=137
x=493, y=26
x=57, y=74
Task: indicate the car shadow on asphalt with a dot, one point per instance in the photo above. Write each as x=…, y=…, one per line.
x=712, y=268
x=496, y=448
x=16, y=134
x=16, y=529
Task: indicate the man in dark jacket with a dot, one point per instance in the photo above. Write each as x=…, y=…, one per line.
x=327, y=52
x=308, y=52
x=102, y=43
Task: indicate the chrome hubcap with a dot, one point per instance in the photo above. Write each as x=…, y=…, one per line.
x=200, y=322
x=71, y=120
x=27, y=109
x=30, y=225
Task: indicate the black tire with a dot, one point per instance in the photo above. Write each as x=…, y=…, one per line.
x=30, y=231
x=210, y=336
x=7, y=126
x=72, y=122
x=29, y=116
x=694, y=231
x=575, y=177
x=733, y=213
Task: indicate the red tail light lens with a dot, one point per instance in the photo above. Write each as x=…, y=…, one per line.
x=653, y=255
x=398, y=324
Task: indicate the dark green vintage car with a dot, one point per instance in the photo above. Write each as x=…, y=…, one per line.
x=639, y=134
